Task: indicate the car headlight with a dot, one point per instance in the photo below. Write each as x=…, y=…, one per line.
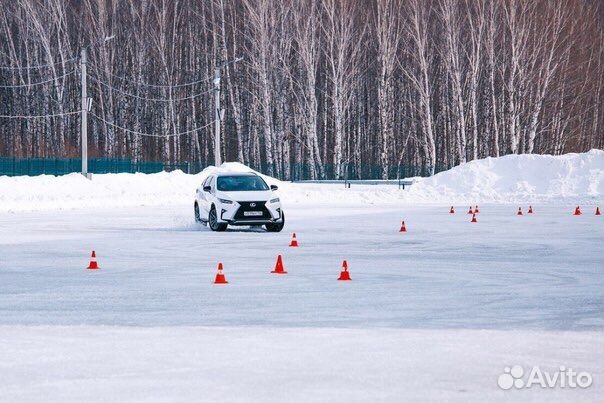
x=275, y=200
x=225, y=201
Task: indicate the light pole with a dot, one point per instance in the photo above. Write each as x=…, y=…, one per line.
x=84, y=119
x=86, y=104
x=219, y=113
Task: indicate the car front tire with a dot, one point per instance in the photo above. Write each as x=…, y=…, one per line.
x=277, y=226
x=213, y=221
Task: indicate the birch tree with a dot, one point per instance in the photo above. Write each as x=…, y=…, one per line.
x=326, y=88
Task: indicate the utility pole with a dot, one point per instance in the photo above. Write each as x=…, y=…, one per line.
x=218, y=160
x=86, y=104
x=84, y=138
x=219, y=112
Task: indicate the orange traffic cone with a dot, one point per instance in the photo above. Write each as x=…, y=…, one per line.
x=93, y=265
x=530, y=210
x=470, y=211
x=577, y=211
x=452, y=211
x=279, y=266
x=598, y=211
x=474, y=218
x=476, y=211
x=403, y=228
x=294, y=242
x=220, y=279
x=344, y=275
x=519, y=211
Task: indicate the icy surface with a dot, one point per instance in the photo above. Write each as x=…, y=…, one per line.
x=542, y=271
x=434, y=314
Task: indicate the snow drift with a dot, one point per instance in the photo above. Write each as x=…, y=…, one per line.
x=572, y=178
x=518, y=178
x=46, y=192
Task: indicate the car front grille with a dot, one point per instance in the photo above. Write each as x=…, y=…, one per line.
x=247, y=206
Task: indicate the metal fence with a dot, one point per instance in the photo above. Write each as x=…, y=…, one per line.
x=300, y=172
x=62, y=166
x=294, y=172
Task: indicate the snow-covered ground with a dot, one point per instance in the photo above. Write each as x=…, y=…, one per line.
x=519, y=178
x=571, y=178
x=433, y=314
x=263, y=364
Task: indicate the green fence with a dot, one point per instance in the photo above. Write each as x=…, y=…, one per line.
x=61, y=166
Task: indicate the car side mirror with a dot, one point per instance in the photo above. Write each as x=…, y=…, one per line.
x=207, y=189
x=274, y=187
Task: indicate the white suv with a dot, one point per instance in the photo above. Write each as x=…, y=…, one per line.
x=238, y=198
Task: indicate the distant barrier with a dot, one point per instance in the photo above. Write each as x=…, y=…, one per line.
x=402, y=184
x=62, y=166
x=293, y=172
x=351, y=171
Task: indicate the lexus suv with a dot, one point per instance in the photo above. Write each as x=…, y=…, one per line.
x=229, y=198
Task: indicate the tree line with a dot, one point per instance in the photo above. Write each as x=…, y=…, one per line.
x=324, y=89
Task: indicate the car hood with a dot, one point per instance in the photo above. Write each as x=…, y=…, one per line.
x=263, y=195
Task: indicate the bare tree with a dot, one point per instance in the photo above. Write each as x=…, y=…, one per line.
x=419, y=74
x=344, y=40
x=327, y=88
x=388, y=32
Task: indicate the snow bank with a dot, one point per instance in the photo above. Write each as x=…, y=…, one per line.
x=518, y=178
x=572, y=178
x=48, y=192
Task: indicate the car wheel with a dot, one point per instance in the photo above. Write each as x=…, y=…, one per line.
x=277, y=226
x=196, y=210
x=213, y=221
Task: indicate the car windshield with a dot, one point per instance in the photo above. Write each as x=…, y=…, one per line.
x=240, y=183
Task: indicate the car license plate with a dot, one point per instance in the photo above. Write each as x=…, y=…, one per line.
x=252, y=213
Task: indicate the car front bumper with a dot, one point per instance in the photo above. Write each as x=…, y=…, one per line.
x=235, y=213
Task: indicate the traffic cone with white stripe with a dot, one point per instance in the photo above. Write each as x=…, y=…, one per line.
x=519, y=211
x=476, y=211
x=344, y=275
x=294, y=242
x=474, y=218
x=452, y=211
x=598, y=211
x=577, y=211
x=220, y=279
x=403, y=227
x=530, y=211
x=279, y=269
x=93, y=264
x=471, y=211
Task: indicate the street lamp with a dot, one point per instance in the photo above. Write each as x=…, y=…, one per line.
x=86, y=104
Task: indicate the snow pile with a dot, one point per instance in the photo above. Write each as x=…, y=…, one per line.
x=48, y=192
x=518, y=178
x=572, y=178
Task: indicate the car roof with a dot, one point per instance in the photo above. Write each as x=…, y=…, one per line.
x=226, y=173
